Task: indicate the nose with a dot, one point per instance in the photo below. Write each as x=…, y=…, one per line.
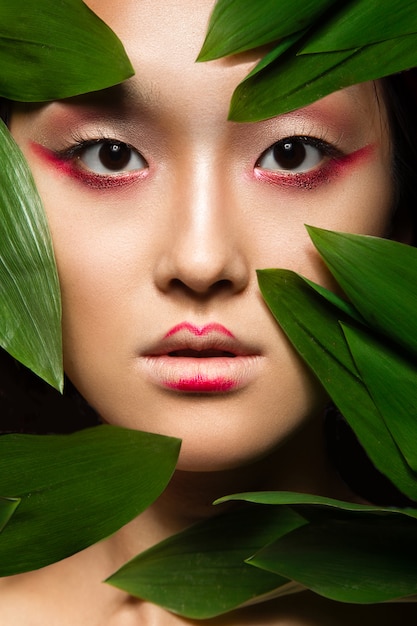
x=206, y=251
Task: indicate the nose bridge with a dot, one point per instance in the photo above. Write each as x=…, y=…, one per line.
x=205, y=215
x=204, y=250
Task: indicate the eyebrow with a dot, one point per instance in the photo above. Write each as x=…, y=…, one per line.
x=129, y=95
x=136, y=98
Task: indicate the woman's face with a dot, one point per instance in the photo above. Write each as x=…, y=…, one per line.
x=161, y=210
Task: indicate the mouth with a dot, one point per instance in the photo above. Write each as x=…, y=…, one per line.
x=201, y=354
x=201, y=360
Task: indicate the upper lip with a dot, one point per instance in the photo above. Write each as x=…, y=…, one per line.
x=190, y=340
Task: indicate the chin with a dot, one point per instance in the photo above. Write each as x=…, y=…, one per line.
x=223, y=449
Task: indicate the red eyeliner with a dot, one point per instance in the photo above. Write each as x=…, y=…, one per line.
x=65, y=166
x=322, y=175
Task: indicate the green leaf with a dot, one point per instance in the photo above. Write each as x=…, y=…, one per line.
x=361, y=559
x=7, y=508
x=51, y=50
x=30, y=303
x=320, y=341
x=200, y=573
x=379, y=278
x=274, y=54
x=360, y=24
x=294, y=81
x=336, y=44
x=76, y=489
x=288, y=83
x=344, y=307
x=391, y=380
x=349, y=552
x=301, y=499
x=238, y=25
x=289, y=296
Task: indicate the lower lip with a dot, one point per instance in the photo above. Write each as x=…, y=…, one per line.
x=214, y=375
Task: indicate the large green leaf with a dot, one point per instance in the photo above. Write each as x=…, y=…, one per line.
x=312, y=324
x=379, y=278
x=30, y=304
x=360, y=24
x=76, y=489
x=53, y=49
x=361, y=559
x=292, y=81
x=47, y=51
x=391, y=379
x=348, y=552
x=337, y=44
x=238, y=25
x=201, y=573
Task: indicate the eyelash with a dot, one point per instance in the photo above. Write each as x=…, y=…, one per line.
x=329, y=157
x=70, y=159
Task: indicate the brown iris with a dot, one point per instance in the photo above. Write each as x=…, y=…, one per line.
x=114, y=155
x=289, y=154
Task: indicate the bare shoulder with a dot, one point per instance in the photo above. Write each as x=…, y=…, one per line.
x=30, y=600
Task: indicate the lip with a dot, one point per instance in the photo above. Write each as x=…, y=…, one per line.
x=200, y=331
x=205, y=359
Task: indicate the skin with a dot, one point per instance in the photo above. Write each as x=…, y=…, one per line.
x=178, y=239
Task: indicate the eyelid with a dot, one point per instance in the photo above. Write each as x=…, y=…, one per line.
x=310, y=143
x=80, y=146
x=64, y=161
x=334, y=163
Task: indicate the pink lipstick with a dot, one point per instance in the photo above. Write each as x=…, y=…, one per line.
x=202, y=384
x=205, y=359
x=199, y=331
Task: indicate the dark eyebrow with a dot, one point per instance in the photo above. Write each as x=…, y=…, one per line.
x=131, y=94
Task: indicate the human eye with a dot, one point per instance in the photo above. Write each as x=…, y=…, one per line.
x=99, y=163
x=296, y=155
x=106, y=157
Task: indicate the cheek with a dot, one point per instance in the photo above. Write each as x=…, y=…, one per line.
x=360, y=200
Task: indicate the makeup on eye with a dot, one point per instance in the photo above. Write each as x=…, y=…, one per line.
x=98, y=159
x=104, y=156
x=297, y=154
x=98, y=163
x=305, y=162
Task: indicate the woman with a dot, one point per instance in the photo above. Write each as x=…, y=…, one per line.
x=161, y=211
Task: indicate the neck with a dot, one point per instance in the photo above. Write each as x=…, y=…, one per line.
x=300, y=465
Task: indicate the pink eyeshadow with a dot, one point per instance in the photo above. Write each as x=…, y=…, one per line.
x=320, y=176
x=96, y=181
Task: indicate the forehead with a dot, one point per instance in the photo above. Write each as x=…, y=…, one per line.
x=163, y=39
x=154, y=29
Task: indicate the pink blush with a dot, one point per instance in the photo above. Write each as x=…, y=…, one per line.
x=334, y=168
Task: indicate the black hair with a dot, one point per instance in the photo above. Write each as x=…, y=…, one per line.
x=400, y=97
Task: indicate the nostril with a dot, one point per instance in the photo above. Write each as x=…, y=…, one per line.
x=200, y=287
